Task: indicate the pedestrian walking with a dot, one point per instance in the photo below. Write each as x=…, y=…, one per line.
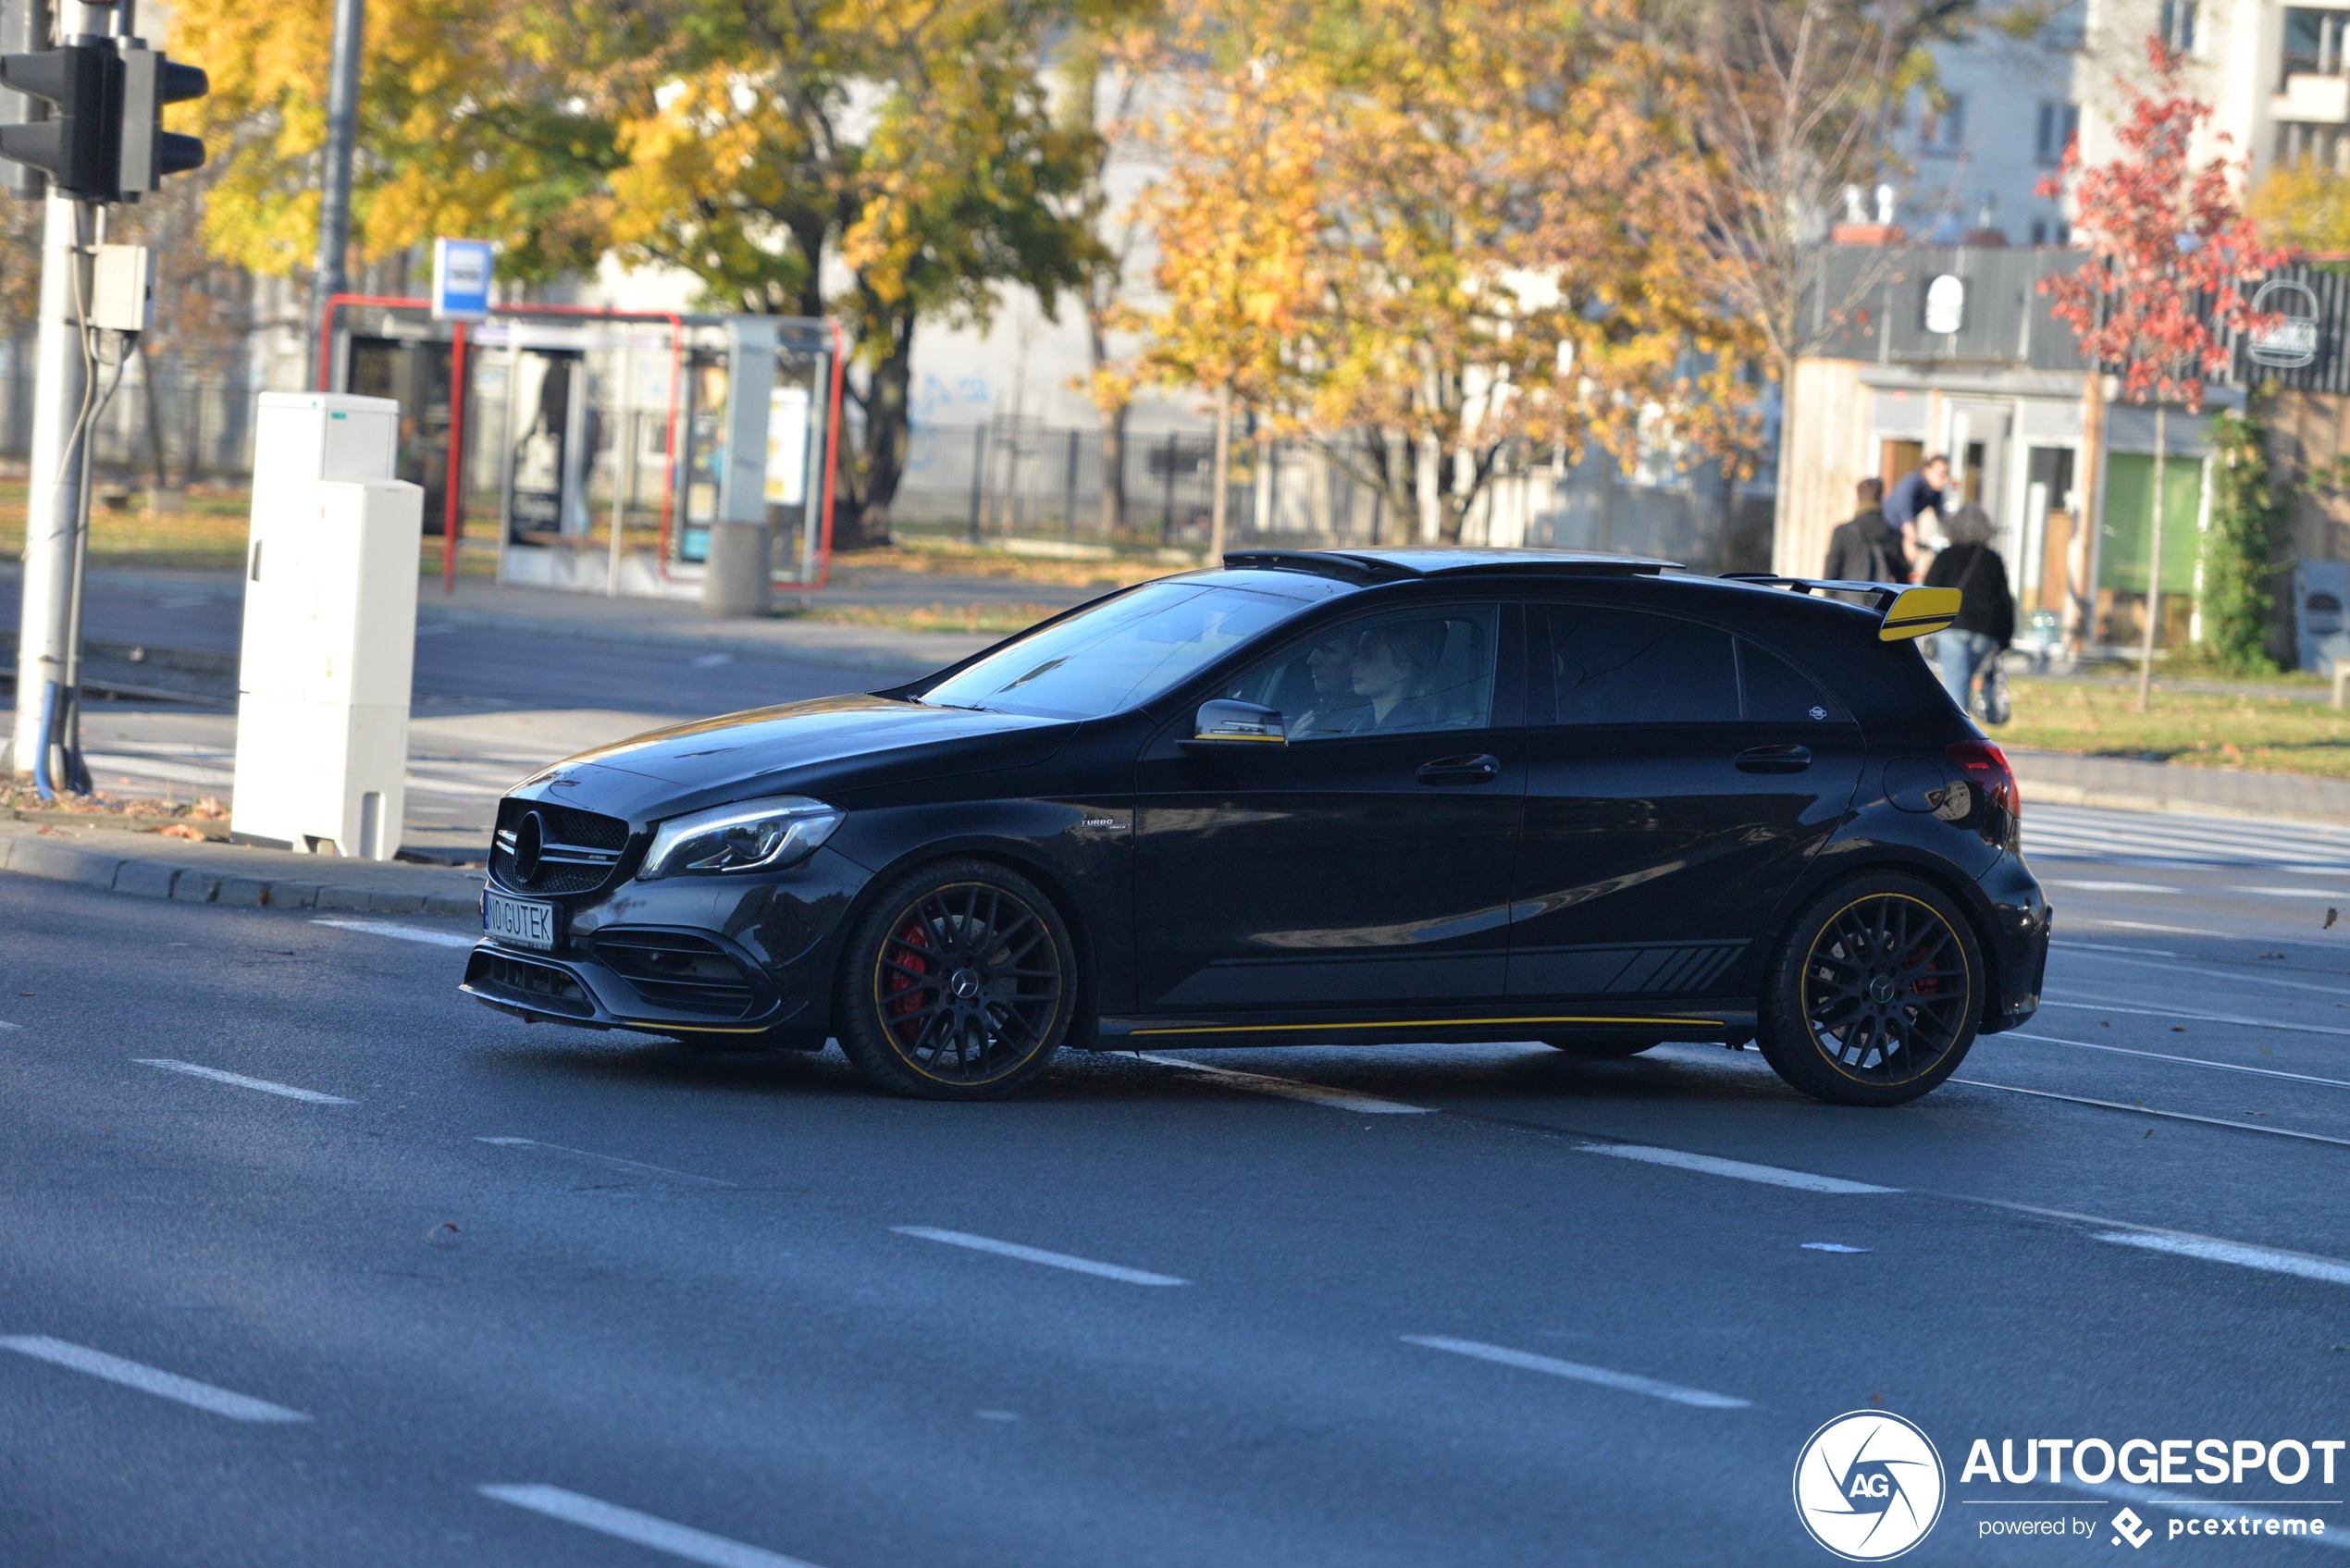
x=1985, y=621
x=1867, y=549
x=1914, y=495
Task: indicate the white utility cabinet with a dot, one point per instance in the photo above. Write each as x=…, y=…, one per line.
x=330, y=628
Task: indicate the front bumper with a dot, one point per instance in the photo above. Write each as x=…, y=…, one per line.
x=686, y=955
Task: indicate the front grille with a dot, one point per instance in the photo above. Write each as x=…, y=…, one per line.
x=679, y=972
x=577, y=849
x=542, y=986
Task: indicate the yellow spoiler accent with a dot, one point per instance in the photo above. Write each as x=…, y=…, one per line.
x=1916, y=611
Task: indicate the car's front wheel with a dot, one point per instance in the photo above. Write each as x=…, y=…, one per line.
x=1874, y=997
x=957, y=983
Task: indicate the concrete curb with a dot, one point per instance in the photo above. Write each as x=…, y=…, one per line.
x=147, y=878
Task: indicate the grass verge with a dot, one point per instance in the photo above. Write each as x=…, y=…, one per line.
x=2278, y=733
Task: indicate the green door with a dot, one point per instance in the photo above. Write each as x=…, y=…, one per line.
x=2129, y=523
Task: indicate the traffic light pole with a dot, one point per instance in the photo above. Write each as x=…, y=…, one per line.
x=56, y=504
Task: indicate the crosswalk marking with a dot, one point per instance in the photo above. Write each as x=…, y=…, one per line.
x=2165, y=838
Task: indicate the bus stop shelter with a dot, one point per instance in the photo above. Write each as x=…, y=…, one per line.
x=602, y=447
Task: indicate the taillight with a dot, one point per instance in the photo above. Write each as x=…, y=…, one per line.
x=1986, y=768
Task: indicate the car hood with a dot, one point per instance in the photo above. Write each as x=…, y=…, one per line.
x=802, y=747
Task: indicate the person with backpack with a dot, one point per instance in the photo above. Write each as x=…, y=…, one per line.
x=1986, y=622
x=1867, y=548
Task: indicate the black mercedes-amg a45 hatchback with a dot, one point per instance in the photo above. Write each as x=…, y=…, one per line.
x=1424, y=795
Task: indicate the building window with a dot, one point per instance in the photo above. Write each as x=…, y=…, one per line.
x=2051, y=231
x=1942, y=127
x=2312, y=44
x=2057, y=124
x=2177, y=25
x=2299, y=143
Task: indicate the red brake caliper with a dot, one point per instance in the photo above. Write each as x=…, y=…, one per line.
x=905, y=990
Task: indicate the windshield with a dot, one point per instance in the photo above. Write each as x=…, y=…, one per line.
x=1119, y=654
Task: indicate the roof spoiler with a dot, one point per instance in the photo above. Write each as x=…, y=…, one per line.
x=1907, y=612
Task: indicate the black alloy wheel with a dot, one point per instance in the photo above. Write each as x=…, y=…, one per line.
x=958, y=984
x=1875, y=995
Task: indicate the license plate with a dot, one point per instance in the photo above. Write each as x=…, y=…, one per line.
x=518, y=920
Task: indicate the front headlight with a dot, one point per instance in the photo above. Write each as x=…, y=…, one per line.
x=753, y=835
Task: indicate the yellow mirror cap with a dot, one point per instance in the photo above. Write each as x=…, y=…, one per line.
x=1918, y=611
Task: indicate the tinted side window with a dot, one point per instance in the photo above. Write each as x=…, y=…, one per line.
x=1627, y=667
x=1389, y=674
x=1776, y=692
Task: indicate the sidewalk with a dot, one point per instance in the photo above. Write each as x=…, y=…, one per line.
x=149, y=866
x=2067, y=779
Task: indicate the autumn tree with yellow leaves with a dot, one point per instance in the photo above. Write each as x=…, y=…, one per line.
x=483, y=118
x=1424, y=238
x=911, y=145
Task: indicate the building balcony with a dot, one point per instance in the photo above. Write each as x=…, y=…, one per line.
x=2312, y=99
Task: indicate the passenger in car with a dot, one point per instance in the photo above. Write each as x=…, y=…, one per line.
x=1392, y=668
x=1336, y=710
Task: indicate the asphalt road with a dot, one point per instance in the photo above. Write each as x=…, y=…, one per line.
x=513, y=1295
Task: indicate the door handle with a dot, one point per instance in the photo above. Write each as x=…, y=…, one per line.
x=1774, y=759
x=1479, y=768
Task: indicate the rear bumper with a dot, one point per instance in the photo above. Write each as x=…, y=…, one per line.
x=2019, y=927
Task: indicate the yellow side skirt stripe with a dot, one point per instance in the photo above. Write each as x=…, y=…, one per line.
x=1418, y=1023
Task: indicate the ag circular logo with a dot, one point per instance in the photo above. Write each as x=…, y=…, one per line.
x=1868, y=1486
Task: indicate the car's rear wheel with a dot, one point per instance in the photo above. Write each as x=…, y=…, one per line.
x=958, y=984
x=1874, y=995
x=1602, y=1047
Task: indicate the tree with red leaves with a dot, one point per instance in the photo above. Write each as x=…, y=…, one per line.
x=2168, y=247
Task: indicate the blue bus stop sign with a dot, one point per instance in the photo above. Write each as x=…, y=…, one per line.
x=461, y=270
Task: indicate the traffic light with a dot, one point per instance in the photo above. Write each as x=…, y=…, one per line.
x=148, y=151
x=71, y=146
x=24, y=26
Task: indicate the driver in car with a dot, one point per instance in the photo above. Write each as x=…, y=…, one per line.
x=1337, y=711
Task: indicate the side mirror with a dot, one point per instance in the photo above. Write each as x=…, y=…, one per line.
x=1227, y=723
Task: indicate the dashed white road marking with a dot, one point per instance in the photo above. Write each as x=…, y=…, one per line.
x=241, y=1081
x=1292, y=1089
x=2140, y=925
x=2150, y=1111
x=1038, y=1254
x=2288, y=892
x=2197, y=1017
x=5, y=1024
x=148, y=1380
x=712, y=661
x=2085, y=886
x=638, y=1529
x=2243, y=1254
x=2184, y=1061
x=1737, y=1170
x=2207, y=972
x=1626, y=1382
x=399, y=932
x=612, y=1160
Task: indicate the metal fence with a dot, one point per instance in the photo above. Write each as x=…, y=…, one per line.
x=1027, y=482
x=200, y=421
